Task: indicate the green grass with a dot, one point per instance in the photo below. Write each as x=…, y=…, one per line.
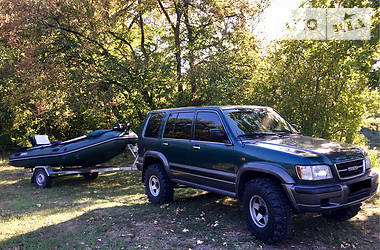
x=113, y=212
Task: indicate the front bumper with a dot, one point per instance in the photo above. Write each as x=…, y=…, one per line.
x=333, y=196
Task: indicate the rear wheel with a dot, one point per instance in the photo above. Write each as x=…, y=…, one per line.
x=344, y=213
x=267, y=210
x=41, y=179
x=158, y=187
x=91, y=176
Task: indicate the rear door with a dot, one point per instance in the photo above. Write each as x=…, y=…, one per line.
x=151, y=133
x=176, y=140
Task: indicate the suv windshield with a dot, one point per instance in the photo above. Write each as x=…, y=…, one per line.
x=257, y=121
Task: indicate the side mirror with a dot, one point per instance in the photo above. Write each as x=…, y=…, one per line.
x=217, y=135
x=296, y=128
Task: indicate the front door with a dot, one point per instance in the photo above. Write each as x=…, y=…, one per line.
x=212, y=153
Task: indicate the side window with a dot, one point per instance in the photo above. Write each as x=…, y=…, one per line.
x=170, y=124
x=154, y=124
x=208, y=127
x=179, y=125
x=183, y=124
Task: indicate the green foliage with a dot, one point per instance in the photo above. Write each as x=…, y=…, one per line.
x=374, y=158
x=327, y=88
x=68, y=67
x=322, y=86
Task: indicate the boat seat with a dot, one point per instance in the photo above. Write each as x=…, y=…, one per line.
x=39, y=140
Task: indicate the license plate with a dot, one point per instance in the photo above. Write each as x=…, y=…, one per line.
x=355, y=187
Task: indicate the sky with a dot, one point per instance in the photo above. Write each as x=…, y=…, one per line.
x=274, y=19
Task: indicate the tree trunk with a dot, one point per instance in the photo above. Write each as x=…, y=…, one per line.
x=177, y=40
x=178, y=58
x=141, y=24
x=190, y=38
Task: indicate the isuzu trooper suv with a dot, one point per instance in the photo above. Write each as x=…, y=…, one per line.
x=253, y=154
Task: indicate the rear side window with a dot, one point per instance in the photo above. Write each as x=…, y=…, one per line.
x=154, y=124
x=208, y=127
x=179, y=125
x=170, y=124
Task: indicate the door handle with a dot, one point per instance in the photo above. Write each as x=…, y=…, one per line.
x=196, y=147
x=165, y=143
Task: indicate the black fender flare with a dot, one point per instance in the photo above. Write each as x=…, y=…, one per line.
x=273, y=169
x=159, y=156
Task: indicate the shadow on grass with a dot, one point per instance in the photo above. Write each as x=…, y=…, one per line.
x=21, y=197
x=136, y=226
x=315, y=231
x=194, y=215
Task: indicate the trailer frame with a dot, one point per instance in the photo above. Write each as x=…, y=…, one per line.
x=42, y=175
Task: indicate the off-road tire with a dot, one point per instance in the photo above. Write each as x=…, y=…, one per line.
x=344, y=213
x=164, y=193
x=91, y=176
x=279, y=221
x=41, y=179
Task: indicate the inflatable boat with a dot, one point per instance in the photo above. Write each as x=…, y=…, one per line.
x=85, y=151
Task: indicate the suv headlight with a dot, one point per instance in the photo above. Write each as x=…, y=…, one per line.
x=313, y=173
x=367, y=163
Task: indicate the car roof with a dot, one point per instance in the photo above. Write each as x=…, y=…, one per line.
x=226, y=107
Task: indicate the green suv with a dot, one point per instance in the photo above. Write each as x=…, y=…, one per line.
x=253, y=154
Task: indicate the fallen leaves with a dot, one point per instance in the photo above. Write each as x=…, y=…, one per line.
x=164, y=205
x=216, y=223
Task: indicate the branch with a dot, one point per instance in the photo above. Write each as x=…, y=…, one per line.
x=125, y=41
x=75, y=33
x=133, y=21
x=166, y=14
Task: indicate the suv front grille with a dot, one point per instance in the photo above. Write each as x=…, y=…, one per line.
x=350, y=169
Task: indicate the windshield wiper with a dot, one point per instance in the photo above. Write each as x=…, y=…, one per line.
x=256, y=134
x=285, y=131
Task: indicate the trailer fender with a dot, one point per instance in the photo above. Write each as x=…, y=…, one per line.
x=49, y=171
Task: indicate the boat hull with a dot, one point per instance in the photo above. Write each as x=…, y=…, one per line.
x=82, y=153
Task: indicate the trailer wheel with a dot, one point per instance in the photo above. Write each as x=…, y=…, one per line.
x=91, y=176
x=41, y=179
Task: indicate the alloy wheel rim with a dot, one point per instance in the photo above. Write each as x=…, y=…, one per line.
x=154, y=185
x=259, y=211
x=40, y=179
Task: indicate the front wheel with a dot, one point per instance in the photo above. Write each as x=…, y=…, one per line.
x=267, y=210
x=41, y=179
x=158, y=187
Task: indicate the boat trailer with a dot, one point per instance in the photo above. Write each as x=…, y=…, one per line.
x=42, y=175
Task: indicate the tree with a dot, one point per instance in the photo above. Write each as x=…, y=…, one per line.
x=326, y=87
